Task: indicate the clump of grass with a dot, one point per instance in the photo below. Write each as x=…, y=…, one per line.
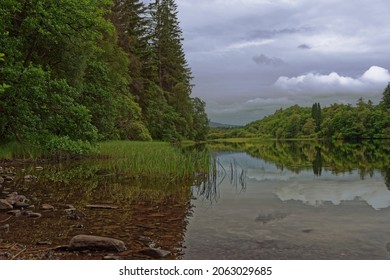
x=16, y=150
x=156, y=159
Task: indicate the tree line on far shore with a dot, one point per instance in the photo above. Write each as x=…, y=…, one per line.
x=340, y=121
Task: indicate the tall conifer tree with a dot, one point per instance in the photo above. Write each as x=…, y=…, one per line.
x=174, y=75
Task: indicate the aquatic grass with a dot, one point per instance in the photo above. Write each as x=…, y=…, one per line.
x=152, y=159
x=16, y=150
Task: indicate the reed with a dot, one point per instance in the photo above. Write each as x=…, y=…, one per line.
x=153, y=159
x=16, y=150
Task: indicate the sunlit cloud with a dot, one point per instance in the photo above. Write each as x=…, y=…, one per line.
x=374, y=79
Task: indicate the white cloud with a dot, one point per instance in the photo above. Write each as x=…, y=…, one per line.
x=373, y=80
x=376, y=75
x=374, y=193
x=247, y=44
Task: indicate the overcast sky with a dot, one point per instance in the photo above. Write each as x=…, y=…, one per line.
x=251, y=57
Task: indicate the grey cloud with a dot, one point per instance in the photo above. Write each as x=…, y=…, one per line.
x=270, y=61
x=268, y=34
x=273, y=32
x=304, y=47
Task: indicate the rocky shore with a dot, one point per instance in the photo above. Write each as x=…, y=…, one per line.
x=153, y=232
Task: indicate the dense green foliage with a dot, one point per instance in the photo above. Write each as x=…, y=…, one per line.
x=79, y=71
x=340, y=121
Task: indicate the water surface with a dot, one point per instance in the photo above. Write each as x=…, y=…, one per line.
x=264, y=200
x=293, y=207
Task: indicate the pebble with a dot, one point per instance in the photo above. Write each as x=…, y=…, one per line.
x=145, y=239
x=21, y=205
x=5, y=205
x=155, y=253
x=29, y=177
x=112, y=258
x=47, y=207
x=8, y=178
x=101, y=206
x=42, y=243
x=4, y=228
x=35, y=215
x=27, y=213
x=16, y=213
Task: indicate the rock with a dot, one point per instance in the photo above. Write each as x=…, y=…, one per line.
x=112, y=258
x=27, y=212
x=43, y=243
x=29, y=177
x=155, y=253
x=98, y=206
x=47, y=207
x=35, y=215
x=1, y=180
x=96, y=243
x=145, y=239
x=8, y=179
x=5, y=205
x=78, y=226
x=74, y=214
x=16, y=213
x=21, y=205
x=4, y=228
x=70, y=207
x=12, y=198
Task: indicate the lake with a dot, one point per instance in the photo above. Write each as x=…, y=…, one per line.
x=260, y=200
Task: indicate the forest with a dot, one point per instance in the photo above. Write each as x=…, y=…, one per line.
x=338, y=121
x=76, y=72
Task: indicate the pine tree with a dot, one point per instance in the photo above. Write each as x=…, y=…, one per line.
x=130, y=18
x=386, y=98
x=174, y=75
x=317, y=115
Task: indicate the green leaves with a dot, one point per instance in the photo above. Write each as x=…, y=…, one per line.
x=75, y=73
x=336, y=121
x=3, y=86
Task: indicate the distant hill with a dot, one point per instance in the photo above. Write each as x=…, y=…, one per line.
x=221, y=125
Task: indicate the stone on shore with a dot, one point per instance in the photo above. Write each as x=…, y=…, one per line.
x=16, y=213
x=96, y=243
x=47, y=207
x=5, y=205
x=155, y=253
x=15, y=197
x=101, y=206
x=35, y=215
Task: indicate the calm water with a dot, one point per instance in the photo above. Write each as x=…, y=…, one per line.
x=280, y=214
x=268, y=200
